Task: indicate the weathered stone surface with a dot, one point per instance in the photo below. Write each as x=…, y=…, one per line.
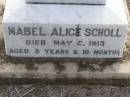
x=80, y=32
x=65, y=71
x=66, y=90
x=68, y=1
x=71, y=71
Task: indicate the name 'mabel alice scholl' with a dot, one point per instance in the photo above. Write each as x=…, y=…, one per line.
x=59, y=31
x=65, y=31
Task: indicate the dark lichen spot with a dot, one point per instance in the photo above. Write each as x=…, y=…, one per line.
x=31, y=66
x=87, y=67
x=1, y=9
x=59, y=67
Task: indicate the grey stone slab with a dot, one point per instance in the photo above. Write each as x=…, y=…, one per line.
x=68, y=1
x=71, y=71
x=67, y=31
x=65, y=71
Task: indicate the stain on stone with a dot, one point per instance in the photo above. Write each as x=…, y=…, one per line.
x=88, y=67
x=31, y=66
x=13, y=75
x=59, y=67
x=2, y=9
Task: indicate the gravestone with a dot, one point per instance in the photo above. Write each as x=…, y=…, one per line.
x=65, y=30
x=68, y=1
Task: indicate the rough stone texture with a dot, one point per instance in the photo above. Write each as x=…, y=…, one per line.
x=55, y=71
x=83, y=90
